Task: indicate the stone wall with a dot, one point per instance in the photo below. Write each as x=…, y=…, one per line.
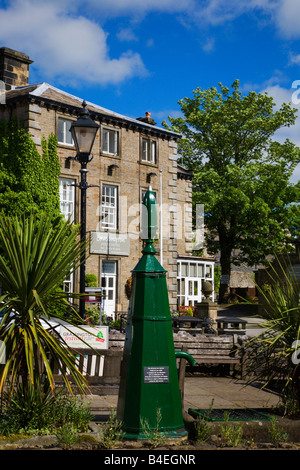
x=131, y=177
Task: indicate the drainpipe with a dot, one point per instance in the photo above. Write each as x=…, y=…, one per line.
x=161, y=219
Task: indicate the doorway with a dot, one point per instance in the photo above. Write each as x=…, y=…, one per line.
x=108, y=283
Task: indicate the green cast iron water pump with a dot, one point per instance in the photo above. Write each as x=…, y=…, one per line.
x=149, y=379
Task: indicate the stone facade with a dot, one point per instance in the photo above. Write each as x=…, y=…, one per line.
x=14, y=67
x=43, y=109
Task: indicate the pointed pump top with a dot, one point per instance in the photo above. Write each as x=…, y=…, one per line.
x=149, y=227
x=149, y=220
x=148, y=263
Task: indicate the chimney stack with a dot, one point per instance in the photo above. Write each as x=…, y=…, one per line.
x=148, y=119
x=14, y=68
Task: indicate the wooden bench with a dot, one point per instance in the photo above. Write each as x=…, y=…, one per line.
x=207, y=349
x=101, y=368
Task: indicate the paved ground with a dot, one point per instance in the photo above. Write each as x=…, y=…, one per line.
x=202, y=392
x=253, y=322
x=225, y=393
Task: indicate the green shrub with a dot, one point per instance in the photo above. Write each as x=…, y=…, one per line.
x=93, y=315
x=231, y=434
x=276, y=435
x=66, y=435
x=111, y=433
x=38, y=412
x=91, y=280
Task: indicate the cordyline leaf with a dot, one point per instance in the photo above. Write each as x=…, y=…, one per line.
x=35, y=258
x=271, y=352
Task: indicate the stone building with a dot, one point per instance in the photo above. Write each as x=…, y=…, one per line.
x=128, y=156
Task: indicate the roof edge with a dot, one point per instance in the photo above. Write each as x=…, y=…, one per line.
x=98, y=110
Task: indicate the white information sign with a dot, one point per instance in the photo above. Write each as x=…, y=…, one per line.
x=109, y=244
x=94, y=336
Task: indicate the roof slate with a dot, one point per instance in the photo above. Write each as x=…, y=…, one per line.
x=54, y=95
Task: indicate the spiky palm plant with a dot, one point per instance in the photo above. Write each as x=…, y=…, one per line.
x=273, y=353
x=36, y=255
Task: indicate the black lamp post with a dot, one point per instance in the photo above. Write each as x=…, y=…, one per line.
x=83, y=131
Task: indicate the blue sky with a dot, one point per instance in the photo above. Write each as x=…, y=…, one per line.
x=133, y=56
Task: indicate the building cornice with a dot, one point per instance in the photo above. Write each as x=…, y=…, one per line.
x=100, y=116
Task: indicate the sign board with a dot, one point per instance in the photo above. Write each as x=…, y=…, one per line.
x=93, y=294
x=92, y=298
x=156, y=375
x=94, y=336
x=107, y=243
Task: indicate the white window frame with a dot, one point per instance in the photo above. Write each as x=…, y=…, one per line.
x=68, y=284
x=149, y=150
x=67, y=197
x=63, y=132
x=109, y=207
x=190, y=270
x=110, y=141
x=67, y=200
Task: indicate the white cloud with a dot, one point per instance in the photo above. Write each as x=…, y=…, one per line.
x=209, y=45
x=281, y=95
x=150, y=42
x=111, y=8
x=66, y=46
x=284, y=95
x=294, y=59
x=217, y=12
x=67, y=39
x=287, y=18
x=126, y=34
x=296, y=175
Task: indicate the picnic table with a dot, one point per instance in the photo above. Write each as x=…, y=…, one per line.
x=182, y=320
x=230, y=324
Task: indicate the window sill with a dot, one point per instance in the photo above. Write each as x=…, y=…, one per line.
x=110, y=155
x=142, y=162
x=66, y=146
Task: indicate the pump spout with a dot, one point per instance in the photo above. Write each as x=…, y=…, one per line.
x=186, y=356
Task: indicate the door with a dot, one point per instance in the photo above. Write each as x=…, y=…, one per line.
x=108, y=283
x=193, y=290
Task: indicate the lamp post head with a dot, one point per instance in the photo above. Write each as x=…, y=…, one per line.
x=84, y=131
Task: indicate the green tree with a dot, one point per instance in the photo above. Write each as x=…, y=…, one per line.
x=28, y=181
x=36, y=256
x=241, y=175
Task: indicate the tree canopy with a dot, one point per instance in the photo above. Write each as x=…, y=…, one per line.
x=28, y=181
x=241, y=174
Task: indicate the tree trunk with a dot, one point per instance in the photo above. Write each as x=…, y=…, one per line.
x=225, y=261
